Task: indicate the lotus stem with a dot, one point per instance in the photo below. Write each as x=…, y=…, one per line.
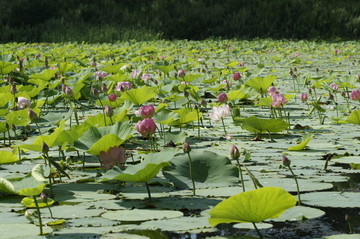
x=297, y=184
x=39, y=215
x=148, y=191
x=198, y=118
x=257, y=230
x=241, y=175
x=222, y=120
x=191, y=173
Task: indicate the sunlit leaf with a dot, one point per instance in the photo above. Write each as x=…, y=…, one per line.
x=304, y=141
x=258, y=125
x=252, y=206
x=8, y=157
x=260, y=84
x=140, y=95
x=354, y=117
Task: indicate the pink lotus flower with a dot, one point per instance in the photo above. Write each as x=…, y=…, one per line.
x=114, y=156
x=337, y=51
x=112, y=97
x=355, y=95
x=334, y=86
x=219, y=112
x=23, y=103
x=222, y=98
x=100, y=75
x=271, y=90
x=236, y=76
x=234, y=152
x=145, y=77
x=123, y=86
x=242, y=64
x=303, y=97
x=146, y=127
x=295, y=54
x=181, y=73
x=135, y=74
x=146, y=111
x=278, y=100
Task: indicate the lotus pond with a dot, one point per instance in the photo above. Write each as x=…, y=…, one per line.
x=182, y=139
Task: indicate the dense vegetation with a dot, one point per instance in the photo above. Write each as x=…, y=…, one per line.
x=111, y=20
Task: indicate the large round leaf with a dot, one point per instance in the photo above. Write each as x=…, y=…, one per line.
x=252, y=206
x=144, y=171
x=209, y=169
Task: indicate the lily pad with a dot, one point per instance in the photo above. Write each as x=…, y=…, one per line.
x=248, y=225
x=141, y=214
x=332, y=199
x=299, y=213
x=8, y=157
x=209, y=169
x=258, y=125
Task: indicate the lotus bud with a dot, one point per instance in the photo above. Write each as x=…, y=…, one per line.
x=203, y=102
x=146, y=111
x=108, y=111
x=94, y=91
x=186, y=93
x=146, y=127
x=104, y=88
x=234, y=152
x=334, y=86
x=32, y=115
x=13, y=89
x=222, y=98
x=44, y=148
x=44, y=197
x=22, y=102
x=236, y=76
x=181, y=73
x=286, y=161
x=112, y=97
x=68, y=92
x=186, y=147
x=303, y=97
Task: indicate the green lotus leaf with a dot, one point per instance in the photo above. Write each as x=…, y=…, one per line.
x=97, y=139
x=140, y=95
x=30, y=203
x=66, y=67
x=191, y=77
x=304, y=141
x=112, y=69
x=18, y=117
x=258, y=125
x=187, y=115
x=252, y=206
x=165, y=116
x=354, y=117
x=8, y=157
x=236, y=95
x=260, y=84
x=45, y=75
x=5, y=98
x=7, y=67
x=163, y=68
x=26, y=186
x=209, y=169
x=144, y=171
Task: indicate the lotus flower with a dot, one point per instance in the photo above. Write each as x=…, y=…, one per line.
x=219, y=112
x=145, y=77
x=355, y=95
x=334, y=86
x=146, y=127
x=112, y=97
x=123, y=86
x=114, y=156
x=278, y=100
x=271, y=90
x=23, y=103
x=146, y=111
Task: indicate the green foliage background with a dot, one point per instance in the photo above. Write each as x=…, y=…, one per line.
x=113, y=20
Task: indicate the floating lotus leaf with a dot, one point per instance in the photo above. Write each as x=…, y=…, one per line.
x=299, y=213
x=332, y=199
x=209, y=169
x=30, y=203
x=304, y=141
x=252, y=206
x=141, y=214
